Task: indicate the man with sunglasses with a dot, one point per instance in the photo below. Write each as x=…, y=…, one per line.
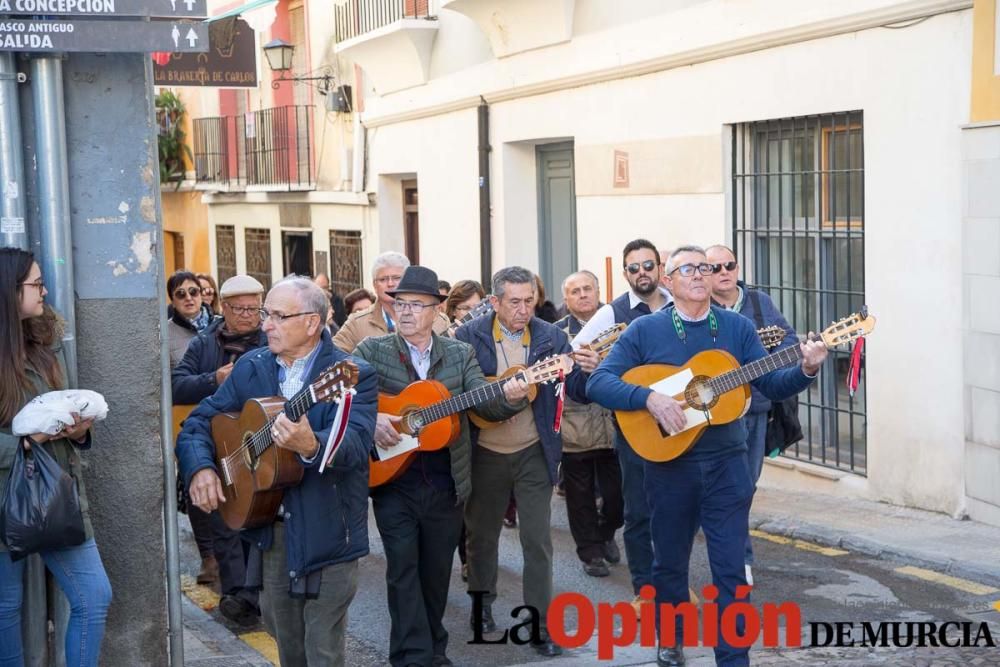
x=709, y=486
x=642, y=270
x=419, y=514
x=733, y=294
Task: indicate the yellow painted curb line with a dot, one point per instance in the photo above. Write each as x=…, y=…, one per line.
x=799, y=544
x=947, y=580
x=203, y=596
x=263, y=643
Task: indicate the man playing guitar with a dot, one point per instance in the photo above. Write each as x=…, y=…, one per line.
x=419, y=513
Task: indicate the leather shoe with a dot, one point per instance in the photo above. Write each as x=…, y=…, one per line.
x=547, y=648
x=670, y=656
x=489, y=625
x=209, y=573
x=596, y=567
x=239, y=611
x=611, y=552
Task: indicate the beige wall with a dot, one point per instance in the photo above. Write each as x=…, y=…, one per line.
x=183, y=213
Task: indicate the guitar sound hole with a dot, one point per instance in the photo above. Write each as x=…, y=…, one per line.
x=699, y=394
x=414, y=422
x=249, y=460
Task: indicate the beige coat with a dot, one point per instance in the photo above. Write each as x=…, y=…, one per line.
x=369, y=322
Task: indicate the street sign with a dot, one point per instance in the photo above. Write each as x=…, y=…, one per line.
x=189, y=9
x=103, y=36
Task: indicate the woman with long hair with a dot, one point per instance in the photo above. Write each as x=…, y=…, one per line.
x=209, y=293
x=31, y=364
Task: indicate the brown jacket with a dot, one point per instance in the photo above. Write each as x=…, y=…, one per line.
x=369, y=322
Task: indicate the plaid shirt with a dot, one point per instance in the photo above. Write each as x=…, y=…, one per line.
x=291, y=378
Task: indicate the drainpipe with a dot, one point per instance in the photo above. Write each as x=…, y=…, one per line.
x=55, y=237
x=12, y=208
x=485, y=226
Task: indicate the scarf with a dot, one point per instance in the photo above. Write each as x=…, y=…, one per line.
x=236, y=345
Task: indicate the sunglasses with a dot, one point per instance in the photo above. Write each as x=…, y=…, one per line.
x=647, y=266
x=728, y=266
x=191, y=292
x=207, y=291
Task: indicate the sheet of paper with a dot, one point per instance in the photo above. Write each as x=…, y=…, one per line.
x=674, y=385
x=407, y=444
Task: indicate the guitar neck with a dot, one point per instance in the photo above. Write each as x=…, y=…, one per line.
x=295, y=407
x=464, y=401
x=755, y=369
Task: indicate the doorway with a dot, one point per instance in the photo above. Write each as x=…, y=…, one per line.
x=297, y=251
x=556, y=215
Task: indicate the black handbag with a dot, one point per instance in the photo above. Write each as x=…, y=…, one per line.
x=783, y=426
x=40, y=508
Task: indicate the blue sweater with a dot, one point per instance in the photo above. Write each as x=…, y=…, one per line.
x=652, y=340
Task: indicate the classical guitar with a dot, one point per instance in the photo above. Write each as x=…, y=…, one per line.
x=602, y=344
x=771, y=336
x=713, y=389
x=481, y=308
x=253, y=472
x=430, y=413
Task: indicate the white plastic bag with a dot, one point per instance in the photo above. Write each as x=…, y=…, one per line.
x=53, y=411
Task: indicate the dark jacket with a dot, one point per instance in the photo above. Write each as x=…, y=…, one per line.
x=326, y=516
x=194, y=377
x=546, y=340
x=453, y=364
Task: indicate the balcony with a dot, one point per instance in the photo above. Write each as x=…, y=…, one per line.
x=390, y=39
x=515, y=26
x=261, y=151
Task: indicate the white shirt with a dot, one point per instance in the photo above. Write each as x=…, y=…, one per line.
x=604, y=318
x=421, y=360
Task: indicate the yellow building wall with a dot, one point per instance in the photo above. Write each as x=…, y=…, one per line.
x=185, y=214
x=985, y=84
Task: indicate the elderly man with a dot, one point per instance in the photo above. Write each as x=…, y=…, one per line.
x=589, y=462
x=709, y=485
x=520, y=454
x=206, y=365
x=380, y=318
x=419, y=514
x=642, y=270
x=733, y=294
x=309, y=554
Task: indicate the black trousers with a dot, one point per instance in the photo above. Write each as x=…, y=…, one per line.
x=583, y=474
x=231, y=553
x=420, y=526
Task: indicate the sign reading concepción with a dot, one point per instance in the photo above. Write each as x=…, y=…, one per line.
x=102, y=36
x=192, y=9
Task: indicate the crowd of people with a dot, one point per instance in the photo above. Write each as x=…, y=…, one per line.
x=299, y=573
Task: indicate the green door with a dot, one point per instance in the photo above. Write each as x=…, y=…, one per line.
x=556, y=216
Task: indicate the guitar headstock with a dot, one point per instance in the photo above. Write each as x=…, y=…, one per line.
x=481, y=308
x=847, y=329
x=548, y=370
x=604, y=341
x=334, y=381
x=771, y=336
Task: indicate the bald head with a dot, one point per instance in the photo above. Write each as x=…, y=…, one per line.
x=580, y=291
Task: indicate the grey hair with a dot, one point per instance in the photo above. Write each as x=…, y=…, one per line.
x=390, y=258
x=678, y=250
x=581, y=272
x=518, y=275
x=311, y=296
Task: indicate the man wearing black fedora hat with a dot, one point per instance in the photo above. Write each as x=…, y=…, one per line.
x=419, y=514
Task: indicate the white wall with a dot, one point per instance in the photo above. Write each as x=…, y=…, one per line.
x=912, y=85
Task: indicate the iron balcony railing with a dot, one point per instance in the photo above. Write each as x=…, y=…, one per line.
x=357, y=17
x=266, y=150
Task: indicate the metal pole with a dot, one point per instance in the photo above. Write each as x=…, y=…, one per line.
x=53, y=198
x=12, y=218
x=175, y=619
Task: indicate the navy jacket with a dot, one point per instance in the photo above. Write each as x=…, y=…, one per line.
x=326, y=516
x=194, y=377
x=546, y=340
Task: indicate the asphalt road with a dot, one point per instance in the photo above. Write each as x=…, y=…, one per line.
x=829, y=586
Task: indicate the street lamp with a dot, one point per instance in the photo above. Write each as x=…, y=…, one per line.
x=279, y=58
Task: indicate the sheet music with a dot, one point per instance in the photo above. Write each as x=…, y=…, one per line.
x=407, y=444
x=674, y=385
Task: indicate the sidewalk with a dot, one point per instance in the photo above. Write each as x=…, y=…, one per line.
x=936, y=541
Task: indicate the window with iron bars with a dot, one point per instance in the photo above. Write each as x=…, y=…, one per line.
x=798, y=219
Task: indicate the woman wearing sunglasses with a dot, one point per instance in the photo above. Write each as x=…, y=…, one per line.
x=189, y=315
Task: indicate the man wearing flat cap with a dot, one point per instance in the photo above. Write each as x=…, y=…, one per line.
x=206, y=365
x=419, y=514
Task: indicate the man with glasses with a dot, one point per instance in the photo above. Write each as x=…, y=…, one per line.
x=206, y=365
x=306, y=561
x=379, y=319
x=419, y=514
x=709, y=486
x=733, y=294
x=642, y=270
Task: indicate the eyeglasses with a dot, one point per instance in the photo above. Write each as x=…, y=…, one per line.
x=265, y=314
x=242, y=310
x=40, y=284
x=728, y=266
x=688, y=270
x=647, y=266
x=415, y=307
x=207, y=291
x=191, y=292
x=388, y=279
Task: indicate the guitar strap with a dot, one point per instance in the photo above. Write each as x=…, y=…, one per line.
x=757, y=315
x=713, y=324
